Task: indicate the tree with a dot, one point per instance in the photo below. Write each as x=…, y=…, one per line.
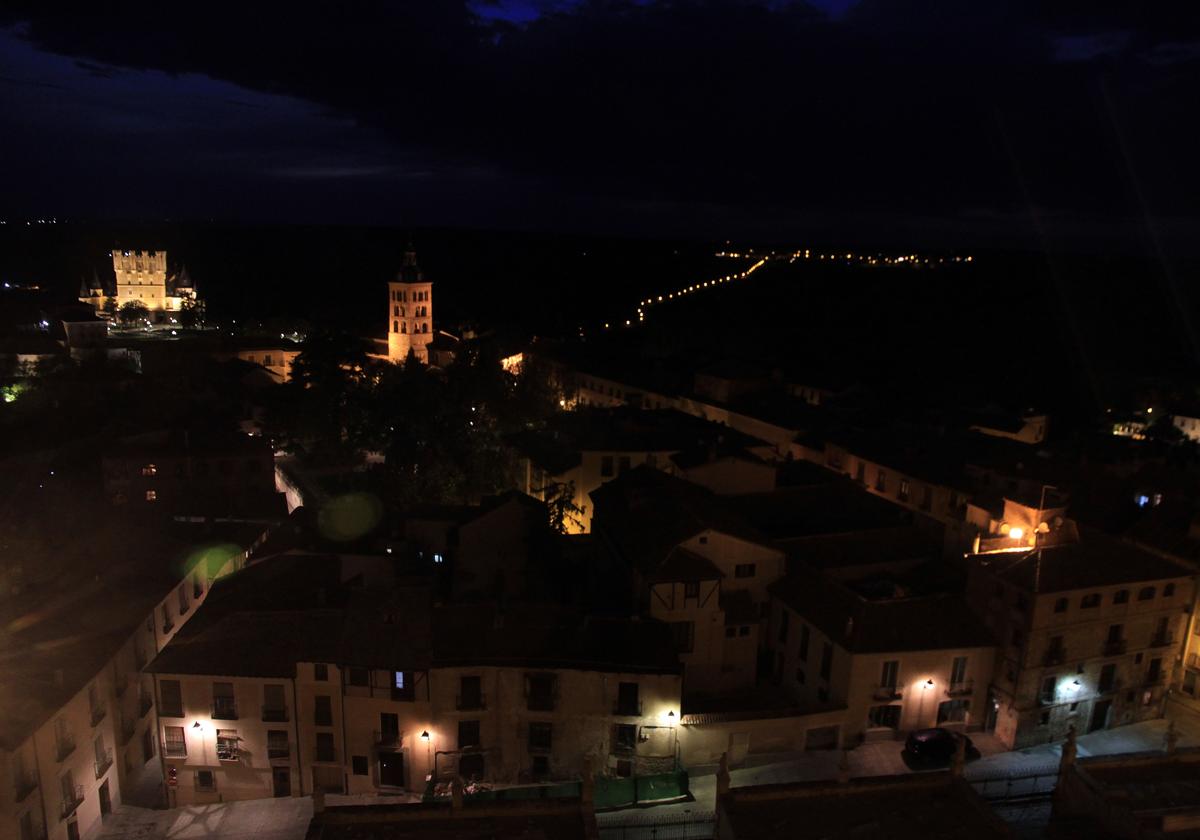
x=110, y=306
x=560, y=505
x=133, y=312
x=191, y=312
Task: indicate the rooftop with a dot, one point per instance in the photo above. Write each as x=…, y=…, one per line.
x=1096, y=559
x=923, y=806
x=866, y=616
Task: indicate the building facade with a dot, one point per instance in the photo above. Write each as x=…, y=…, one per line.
x=410, y=313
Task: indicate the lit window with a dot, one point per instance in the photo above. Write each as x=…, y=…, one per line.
x=149, y=469
x=437, y=558
x=400, y=679
x=151, y=495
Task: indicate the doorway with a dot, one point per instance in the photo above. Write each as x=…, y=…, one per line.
x=391, y=769
x=281, y=781
x=1100, y=715
x=105, y=800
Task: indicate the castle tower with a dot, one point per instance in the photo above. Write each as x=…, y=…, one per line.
x=141, y=275
x=410, y=312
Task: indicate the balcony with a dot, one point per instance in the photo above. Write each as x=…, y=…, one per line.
x=886, y=692
x=1114, y=648
x=628, y=709
x=279, y=751
x=272, y=714
x=24, y=785
x=98, y=713
x=146, y=703
x=71, y=801
x=1162, y=640
x=1054, y=656
x=64, y=746
x=103, y=762
x=960, y=689
x=175, y=749
x=470, y=702
x=224, y=708
x=387, y=739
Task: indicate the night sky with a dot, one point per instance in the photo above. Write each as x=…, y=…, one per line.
x=941, y=123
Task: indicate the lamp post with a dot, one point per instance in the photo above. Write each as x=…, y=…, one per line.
x=428, y=752
x=925, y=686
x=203, y=745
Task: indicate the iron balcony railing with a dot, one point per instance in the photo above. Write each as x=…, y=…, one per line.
x=274, y=714
x=628, y=708
x=175, y=749
x=1054, y=656
x=224, y=708
x=960, y=688
x=886, y=692
x=1114, y=647
x=65, y=745
x=72, y=799
x=1162, y=640
x=103, y=762
x=387, y=738
x=25, y=785
x=279, y=750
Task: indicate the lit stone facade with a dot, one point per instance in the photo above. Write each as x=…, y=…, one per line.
x=141, y=276
x=410, y=313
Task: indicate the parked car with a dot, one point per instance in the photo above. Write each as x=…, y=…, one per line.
x=935, y=746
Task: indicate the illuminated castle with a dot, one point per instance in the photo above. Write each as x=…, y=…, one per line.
x=140, y=276
x=410, y=312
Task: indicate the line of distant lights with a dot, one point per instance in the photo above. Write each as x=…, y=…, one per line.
x=849, y=258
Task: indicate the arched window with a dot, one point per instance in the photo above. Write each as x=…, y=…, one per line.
x=395, y=310
x=425, y=327
x=404, y=328
x=394, y=327
x=401, y=311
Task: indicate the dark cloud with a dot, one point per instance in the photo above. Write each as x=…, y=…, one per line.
x=966, y=118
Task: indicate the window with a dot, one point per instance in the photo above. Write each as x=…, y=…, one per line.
x=358, y=765
x=823, y=694
x=1049, y=689
x=540, y=737
x=1089, y=602
x=468, y=734
x=183, y=598
x=1168, y=590
x=958, y=671
x=151, y=495
x=1060, y=606
x=902, y=493
x=683, y=633
x=624, y=737
x=170, y=703
x=784, y=615
x=540, y=691
x=277, y=743
x=174, y=744
x=926, y=498
x=744, y=570
x=704, y=539
x=539, y=766
x=321, y=672
x=325, y=750
x=322, y=710
x=359, y=677
x=1108, y=678
x=885, y=716
x=953, y=711
x=149, y=470
x=1146, y=593
x=826, y=660
x=744, y=630
x=274, y=706
x=628, y=704
x=889, y=673
x=206, y=780
x=470, y=693
x=804, y=634
x=224, y=706
x=227, y=745
x=691, y=589
x=1121, y=596
x=403, y=687
x=860, y=472
x=881, y=481
x=606, y=466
